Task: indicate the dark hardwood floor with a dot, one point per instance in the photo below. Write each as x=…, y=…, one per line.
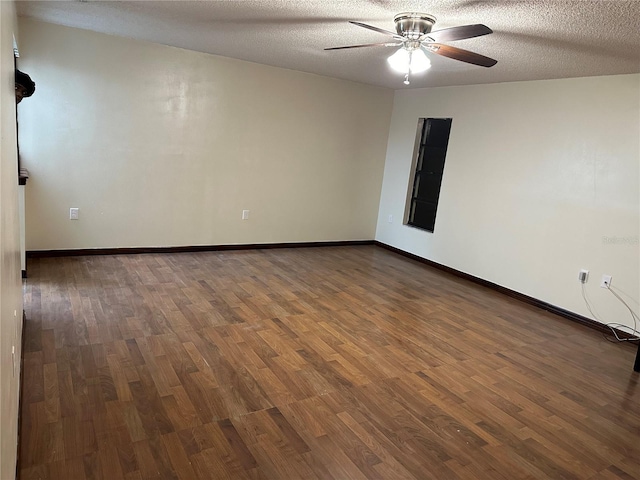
x=312, y=363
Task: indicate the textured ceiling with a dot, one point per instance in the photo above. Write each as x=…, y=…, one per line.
x=532, y=39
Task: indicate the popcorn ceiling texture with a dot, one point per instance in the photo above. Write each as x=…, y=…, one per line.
x=532, y=39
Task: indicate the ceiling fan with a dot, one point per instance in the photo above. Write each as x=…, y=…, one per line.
x=414, y=37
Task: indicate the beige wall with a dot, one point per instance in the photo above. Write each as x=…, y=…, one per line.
x=541, y=180
x=159, y=146
x=10, y=281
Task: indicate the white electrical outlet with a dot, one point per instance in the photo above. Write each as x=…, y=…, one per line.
x=74, y=213
x=245, y=214
x=583, y=276
x=390, y=219
x=606, y=281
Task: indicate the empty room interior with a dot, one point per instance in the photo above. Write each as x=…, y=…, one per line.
x=320, y=240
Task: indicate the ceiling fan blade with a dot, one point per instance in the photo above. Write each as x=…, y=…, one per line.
x=366, y=45
x=460, y=33
x=379, y=30
x=460, y=54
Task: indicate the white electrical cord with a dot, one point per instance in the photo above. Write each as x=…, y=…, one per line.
x=635, y=332
x=634, y=316
x=584, y=296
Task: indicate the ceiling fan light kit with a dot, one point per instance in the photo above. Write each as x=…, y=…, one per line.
x=405, y=61
x=414, y=37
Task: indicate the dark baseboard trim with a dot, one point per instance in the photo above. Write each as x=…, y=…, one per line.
x=189, y=249
x=511, y=293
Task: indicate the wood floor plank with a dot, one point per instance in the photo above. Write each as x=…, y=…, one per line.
x=179, y=459
x=315, y=363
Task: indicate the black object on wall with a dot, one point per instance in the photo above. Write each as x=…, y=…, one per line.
x=429, y=168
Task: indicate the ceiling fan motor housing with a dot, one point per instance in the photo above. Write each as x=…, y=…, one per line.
x=414, y=25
